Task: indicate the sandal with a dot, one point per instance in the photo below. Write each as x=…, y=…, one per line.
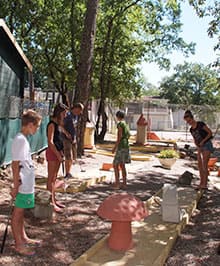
x=25, y=251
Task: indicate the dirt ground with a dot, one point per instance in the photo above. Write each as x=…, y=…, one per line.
x=70, y=234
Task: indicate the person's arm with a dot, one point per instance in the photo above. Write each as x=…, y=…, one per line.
x=119, y=136
x=51, y=145
x=65, y=132
x=209, y=135
x=16, y=178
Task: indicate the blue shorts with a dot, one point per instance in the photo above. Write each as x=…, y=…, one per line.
x=208, y=146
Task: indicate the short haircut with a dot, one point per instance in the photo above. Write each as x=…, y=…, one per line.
x=30, y=116
x=120, y=114
x=78, y=106
x=188, y=113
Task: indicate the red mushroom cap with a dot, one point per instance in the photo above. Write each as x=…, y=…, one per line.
x=141, y=121
x=122, y=207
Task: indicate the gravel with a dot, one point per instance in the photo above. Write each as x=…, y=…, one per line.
x=69, y=235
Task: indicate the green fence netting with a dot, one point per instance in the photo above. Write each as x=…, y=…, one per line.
x=9, y=91
x=9, y=128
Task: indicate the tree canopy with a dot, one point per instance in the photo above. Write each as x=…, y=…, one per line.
x=128, y=32
x=191, y=83
x=52, y=34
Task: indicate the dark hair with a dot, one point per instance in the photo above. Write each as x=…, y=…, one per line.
x=78, y=106
x=188, y=113
x=58, y=109
x=120, y=114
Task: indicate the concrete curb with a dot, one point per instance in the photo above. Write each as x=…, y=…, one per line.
x=74, y=185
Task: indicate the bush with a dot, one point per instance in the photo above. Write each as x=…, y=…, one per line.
x=168, y=154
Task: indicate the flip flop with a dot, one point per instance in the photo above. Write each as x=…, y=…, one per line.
x=25, y=251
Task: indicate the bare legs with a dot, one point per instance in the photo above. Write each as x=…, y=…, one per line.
x=68, y=165
x=18, y=230
x=53, y=168
x=117, y=168
x=203, y=158
x=17, y=225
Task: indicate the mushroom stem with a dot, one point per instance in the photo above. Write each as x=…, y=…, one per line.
x=121, y=236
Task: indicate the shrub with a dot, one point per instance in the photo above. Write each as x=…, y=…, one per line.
x=168, y=154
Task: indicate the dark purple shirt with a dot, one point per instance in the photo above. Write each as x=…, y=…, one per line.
x=199, y=133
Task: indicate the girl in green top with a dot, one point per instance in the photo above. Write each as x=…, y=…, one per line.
x=122, y=155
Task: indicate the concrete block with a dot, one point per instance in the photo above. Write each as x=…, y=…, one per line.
x=43, y=211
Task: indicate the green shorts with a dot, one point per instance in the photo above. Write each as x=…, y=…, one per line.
x=122, y=156
x=24, y=201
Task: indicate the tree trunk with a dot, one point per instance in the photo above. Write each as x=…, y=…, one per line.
x=84, y=70
x=101, y=114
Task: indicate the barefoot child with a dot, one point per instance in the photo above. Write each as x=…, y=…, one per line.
x=122, y=155
x=23, y=181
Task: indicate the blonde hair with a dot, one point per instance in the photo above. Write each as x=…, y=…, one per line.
x=30, y=116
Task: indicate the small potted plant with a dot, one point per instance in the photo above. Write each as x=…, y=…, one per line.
x=167, y=158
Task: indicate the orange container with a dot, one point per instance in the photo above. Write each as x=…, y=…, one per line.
x=211, y=163
x=107, y=166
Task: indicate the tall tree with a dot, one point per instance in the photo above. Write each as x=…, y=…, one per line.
x=210, y=9
x=134, y=31
x=191, y=84
x=84, y=71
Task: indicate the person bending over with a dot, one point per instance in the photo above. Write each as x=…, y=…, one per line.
x=202, y=136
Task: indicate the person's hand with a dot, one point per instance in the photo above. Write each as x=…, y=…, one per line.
x=66, y=133
x=113, y=150
x=14, y=192
x=201, y=144
x=60, y=157
x=68, y=136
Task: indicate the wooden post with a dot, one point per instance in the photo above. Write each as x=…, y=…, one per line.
x=31, y=86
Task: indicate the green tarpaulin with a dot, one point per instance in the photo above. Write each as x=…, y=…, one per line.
x=9, y=128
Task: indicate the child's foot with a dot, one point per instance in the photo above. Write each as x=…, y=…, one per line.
x=60, y=205
x=201, y=188
x=124, y=186
x=25, y=250
x=57, y=209
x=116, y=186
x=33, y=242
